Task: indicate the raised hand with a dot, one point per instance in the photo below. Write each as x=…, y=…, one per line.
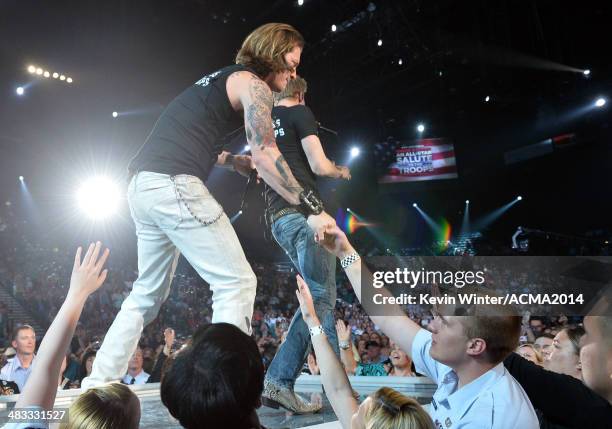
x=169, y=337
x=86, y=276
x=334, y=241
x=344, y=334
x=306, y=303
x=320, y=223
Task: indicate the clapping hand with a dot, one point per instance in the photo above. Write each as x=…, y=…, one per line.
x=86, y=276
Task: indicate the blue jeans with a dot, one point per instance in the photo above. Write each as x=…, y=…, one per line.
x=318, y=268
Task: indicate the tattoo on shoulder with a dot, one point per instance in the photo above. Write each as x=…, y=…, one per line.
x=259, y=114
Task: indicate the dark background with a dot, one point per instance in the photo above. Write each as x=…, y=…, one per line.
x=135, y=56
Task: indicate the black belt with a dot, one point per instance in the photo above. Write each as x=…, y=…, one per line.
x=283, y=212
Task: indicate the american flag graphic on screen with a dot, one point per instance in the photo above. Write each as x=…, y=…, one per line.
x=426, y=159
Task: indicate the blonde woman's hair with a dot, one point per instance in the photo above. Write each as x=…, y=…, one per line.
x=106, y=407
x=536, y=352
x=264, y=49
x=390, y=410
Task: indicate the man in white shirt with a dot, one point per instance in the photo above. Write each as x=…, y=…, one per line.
x=20, y=367
x=463, y=355
x=135, y=374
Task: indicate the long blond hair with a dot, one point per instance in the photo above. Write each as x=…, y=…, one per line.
x=106, y=407
x=264, y=49
x=390, y=410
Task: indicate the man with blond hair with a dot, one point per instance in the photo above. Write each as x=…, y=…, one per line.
x=173, y=210
x=296, y=132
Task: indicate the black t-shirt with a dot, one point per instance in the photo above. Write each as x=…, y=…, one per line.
x=562, y=400
x=291, y=125
x=190, y=132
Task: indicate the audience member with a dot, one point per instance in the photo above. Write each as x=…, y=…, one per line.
x=385, y=409
x=19, y=368
x=565, y=355
x=217, y=379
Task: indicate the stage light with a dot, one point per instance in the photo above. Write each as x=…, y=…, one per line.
x=415, y=205
x=300, y=2
x=115, y=114
x=348, y=210
x=400, y=61
x=379, y=42
x=19, y=90
x=21, y=178
x=519, y=198
x=420, y=128
x=487, y=98
x=239, y=211
x=355, y=152
x=600, y=102
x=39, y=71
x=69, y=80
x=62, y=77
x=247, y=148
x=55, y=75
x=587, y=72
x=99, y=197
x=467, y=201
x=46, y=73
x=31, y=69
x=334, y=28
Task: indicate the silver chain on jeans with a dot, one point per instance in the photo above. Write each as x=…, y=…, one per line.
x=196, y=217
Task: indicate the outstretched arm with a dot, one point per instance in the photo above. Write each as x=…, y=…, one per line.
x=41, y=388
x=395, y=323
x=336, y=383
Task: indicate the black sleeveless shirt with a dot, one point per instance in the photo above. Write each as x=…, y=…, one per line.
x=189, y=134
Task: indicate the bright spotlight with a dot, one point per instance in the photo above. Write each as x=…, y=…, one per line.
x=39, y=71
x=55, y=75
x=19, y=90
x=300, y=2
x=62, y=77
x=99, y=197
x=31, y=69
x=115, y=114
x=348, y=210
x=354, y=152
x=420, y=128
x=379, y=42
x=487, y=98
x=21, y=178
x=467, y=201
x=334, y=28
x=69, y=80
x=415, y=205
x=46, y=73
x=400, y=61
x=586, y=72
x=519, y=198
x=240, y=212
x=600, y=102
x=247, y=148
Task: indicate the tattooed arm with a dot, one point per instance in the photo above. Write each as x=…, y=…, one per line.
x=256, y=100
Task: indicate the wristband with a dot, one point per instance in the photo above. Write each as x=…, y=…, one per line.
x=311, y=203
x=349, y=259
x=344, y=345
x=316, y=330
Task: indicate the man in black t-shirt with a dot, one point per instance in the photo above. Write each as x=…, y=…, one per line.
x=296, y=129
x=173, y=210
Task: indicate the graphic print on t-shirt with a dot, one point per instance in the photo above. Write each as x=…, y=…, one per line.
x=278, y=130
